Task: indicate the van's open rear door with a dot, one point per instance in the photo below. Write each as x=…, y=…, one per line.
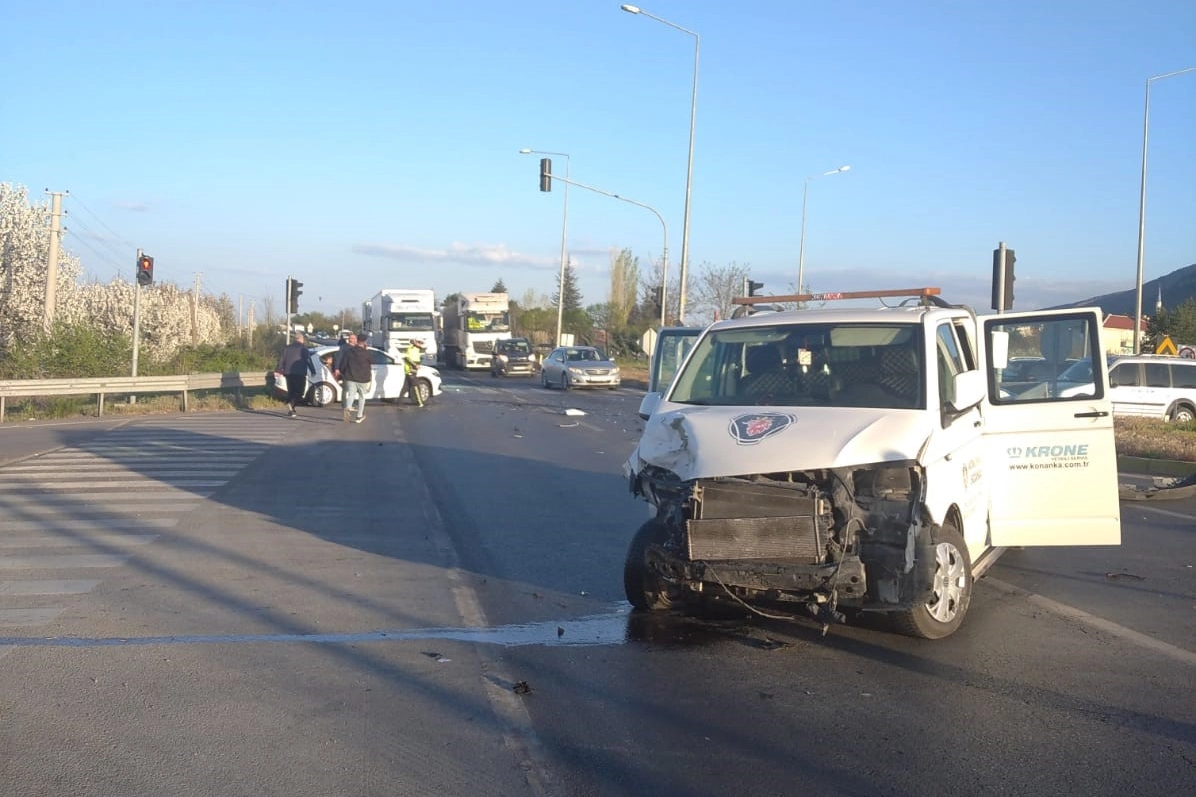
x=1051, y=459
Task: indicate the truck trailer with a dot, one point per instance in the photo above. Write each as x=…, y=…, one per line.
x=472, y=325
x=395, y=317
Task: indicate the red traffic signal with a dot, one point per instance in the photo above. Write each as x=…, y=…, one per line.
x=145, y=270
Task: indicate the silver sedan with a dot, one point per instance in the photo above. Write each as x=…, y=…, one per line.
x=579, y=366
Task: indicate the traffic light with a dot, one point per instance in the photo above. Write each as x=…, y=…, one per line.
x=658, y=299
x=1009, y=261
x=1003, y=279
x=545, y=174
x=145, y=270
x=752, y=287
x=293, y=286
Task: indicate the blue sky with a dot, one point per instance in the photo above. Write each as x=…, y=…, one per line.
x=368, y=145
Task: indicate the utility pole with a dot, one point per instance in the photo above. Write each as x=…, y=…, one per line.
x=136, y=320
x=195, y=311
x=249, y=322
x=52, y=262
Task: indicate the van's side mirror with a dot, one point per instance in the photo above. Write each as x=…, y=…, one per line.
x=969, y=388
x=649, y=404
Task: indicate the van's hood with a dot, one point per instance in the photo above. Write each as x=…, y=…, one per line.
x=705, y=442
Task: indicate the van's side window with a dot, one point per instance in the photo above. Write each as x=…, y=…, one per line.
x=1183, y=375
x=1055, y=359
x=1124, y=375
x=1157, y=375
x=950, y=362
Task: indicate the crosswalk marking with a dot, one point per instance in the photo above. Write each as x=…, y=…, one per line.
x=91, y=540
x=59, y=586
x=28, y=617
x=88, y=507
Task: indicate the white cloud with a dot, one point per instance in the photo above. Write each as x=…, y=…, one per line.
x=468, y=254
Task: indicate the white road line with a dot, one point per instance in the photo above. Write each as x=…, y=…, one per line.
x=1072, y=613
x=28, y=617
x=131, y=481
x=1166, y=513
x=58, y=586
x=95, y=540
x=53, y=523
x=62, y=561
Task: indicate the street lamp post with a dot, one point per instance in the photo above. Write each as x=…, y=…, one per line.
x=689, y=172
x=1142, y=208
x=801, y=246
x=560, y=304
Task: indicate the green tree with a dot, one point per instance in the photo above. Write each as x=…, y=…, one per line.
x=1179, y=323
x=499, y=287
x=571, y=292
x=624, y=277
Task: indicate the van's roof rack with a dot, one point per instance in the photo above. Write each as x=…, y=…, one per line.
x=928, y=296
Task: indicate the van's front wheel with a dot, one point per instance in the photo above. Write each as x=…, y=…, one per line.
x=942, y=615
x=644, y=588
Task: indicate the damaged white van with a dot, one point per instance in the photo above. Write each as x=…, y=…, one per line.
x=821, y=463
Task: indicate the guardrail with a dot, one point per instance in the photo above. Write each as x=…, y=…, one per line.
x=126, y=385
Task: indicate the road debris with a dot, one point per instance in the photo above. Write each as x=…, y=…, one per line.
x=522, y=688
x=572, y=411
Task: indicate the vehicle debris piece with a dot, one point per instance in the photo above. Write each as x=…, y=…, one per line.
x=1131, y=576
x=568, y=425
x=522, y=688
x=572, y=411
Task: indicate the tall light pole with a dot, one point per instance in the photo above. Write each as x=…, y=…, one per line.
x=1142, y=208
x=689, y=172
x=560, y=304
x=801, y=247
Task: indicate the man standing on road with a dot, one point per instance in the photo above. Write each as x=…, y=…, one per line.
x=357, y=369
x=295, y=364
x=411, y=362
x=338, y=360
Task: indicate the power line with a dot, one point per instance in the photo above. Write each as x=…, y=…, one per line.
x=119, y=237
x=98, y=238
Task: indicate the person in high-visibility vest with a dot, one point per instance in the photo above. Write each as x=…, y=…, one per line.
x=411, y=362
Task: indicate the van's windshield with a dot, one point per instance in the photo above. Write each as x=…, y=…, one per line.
x=820, y=365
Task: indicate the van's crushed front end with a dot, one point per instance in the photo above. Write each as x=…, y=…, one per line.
x=758, y=508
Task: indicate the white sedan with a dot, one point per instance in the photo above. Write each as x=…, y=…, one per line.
x=322, y=389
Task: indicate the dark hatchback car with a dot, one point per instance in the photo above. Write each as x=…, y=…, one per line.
x=512, y=357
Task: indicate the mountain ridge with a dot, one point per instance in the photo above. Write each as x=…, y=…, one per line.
x=1176, y=287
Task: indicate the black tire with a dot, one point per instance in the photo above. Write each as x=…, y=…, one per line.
x=645, y=591
x=565, y=382
x=322, y=394
x=544, y=381
x=424, y=387
x=942, y=615
x=1182, y=413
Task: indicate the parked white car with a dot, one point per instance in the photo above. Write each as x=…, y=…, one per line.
x=387, y=385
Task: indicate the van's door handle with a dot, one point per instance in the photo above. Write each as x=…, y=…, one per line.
x=1093, y=414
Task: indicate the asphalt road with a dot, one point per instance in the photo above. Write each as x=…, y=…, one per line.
x=431, y=603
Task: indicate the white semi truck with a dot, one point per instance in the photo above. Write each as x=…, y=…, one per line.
x=472, y=325
x=395, y=317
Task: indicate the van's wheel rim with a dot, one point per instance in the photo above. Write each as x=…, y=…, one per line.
x=950, y=578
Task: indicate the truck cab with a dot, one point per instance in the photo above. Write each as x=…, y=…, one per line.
x=822, y=463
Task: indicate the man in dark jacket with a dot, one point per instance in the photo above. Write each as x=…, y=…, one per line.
x=295, y=364
x=338, y=359
x=357, y=370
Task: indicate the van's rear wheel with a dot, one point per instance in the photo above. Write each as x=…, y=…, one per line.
x=942, y=615
x=645, y=590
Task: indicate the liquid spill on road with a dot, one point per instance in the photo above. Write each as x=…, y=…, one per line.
x=615, y=628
